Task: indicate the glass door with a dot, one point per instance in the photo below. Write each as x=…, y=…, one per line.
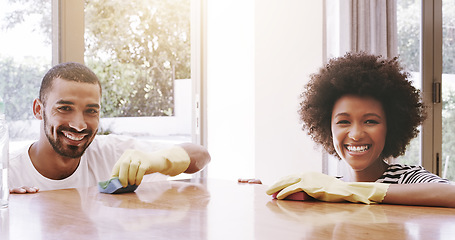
x=448, y=89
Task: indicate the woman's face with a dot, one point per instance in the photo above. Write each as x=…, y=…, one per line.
x=359, y=130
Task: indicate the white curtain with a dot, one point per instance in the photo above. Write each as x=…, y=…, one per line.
x=361, y=25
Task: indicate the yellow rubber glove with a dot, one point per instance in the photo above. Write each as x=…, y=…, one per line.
x=134, y=164
x=329, y=189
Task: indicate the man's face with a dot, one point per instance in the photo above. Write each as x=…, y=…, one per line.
x=71, y=116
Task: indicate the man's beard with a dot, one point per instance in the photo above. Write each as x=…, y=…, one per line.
x=59, y=147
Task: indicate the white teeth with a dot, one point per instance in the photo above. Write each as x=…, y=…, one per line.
x=358, y=148
x=73, y=137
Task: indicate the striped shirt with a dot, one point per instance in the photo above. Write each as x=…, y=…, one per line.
x=404, y=174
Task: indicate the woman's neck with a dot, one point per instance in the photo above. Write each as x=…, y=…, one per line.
x=371, y=173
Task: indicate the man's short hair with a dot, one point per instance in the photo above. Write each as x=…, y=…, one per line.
x=70, y=71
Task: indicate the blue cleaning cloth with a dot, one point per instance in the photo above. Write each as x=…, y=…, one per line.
x=113, y=185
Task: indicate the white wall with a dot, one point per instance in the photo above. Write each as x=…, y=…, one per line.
x=289, y=46
x=259, y=55
x=230, y=88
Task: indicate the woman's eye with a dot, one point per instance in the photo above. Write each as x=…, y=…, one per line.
x=343, y=122
x=371, y=122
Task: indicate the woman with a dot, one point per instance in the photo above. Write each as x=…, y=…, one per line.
x=364, y=110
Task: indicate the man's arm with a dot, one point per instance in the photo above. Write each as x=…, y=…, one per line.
x=423, y=194
x=199, y=156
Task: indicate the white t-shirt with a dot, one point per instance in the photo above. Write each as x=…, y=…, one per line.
x=96, y=164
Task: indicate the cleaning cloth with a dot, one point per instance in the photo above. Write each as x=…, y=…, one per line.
x=113, y=185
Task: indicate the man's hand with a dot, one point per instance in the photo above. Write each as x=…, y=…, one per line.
x=24, y=189
x=134, y=164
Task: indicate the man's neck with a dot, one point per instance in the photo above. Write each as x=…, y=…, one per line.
x=51, y=164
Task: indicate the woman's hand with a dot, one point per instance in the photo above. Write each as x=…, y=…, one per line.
x=298, y=196
x=250, y=180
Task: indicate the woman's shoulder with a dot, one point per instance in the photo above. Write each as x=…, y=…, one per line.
x=398, y=173
x=393, y=173
x=399, y=167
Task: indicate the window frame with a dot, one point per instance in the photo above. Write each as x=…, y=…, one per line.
x=431, y=68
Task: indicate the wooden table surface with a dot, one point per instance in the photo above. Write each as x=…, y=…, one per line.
x=211, y=209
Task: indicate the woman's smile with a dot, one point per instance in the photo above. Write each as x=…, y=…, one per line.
x=358, y=130
x=358, y=148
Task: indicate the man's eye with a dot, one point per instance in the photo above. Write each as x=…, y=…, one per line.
x=92, y=111
x=64, y=108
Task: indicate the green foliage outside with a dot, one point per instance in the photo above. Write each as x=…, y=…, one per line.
x=448, y=133
x=136, y=48
x=448, y=32
x=20, y=86
x=409, y=35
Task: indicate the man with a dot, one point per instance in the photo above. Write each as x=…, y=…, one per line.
x=68, y=153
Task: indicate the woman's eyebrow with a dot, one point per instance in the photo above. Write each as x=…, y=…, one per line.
x=342, y=114
x=373, y=115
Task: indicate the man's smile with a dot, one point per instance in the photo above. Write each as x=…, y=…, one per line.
x=74, y=136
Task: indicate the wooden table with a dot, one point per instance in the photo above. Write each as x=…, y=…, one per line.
x=214, y=209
